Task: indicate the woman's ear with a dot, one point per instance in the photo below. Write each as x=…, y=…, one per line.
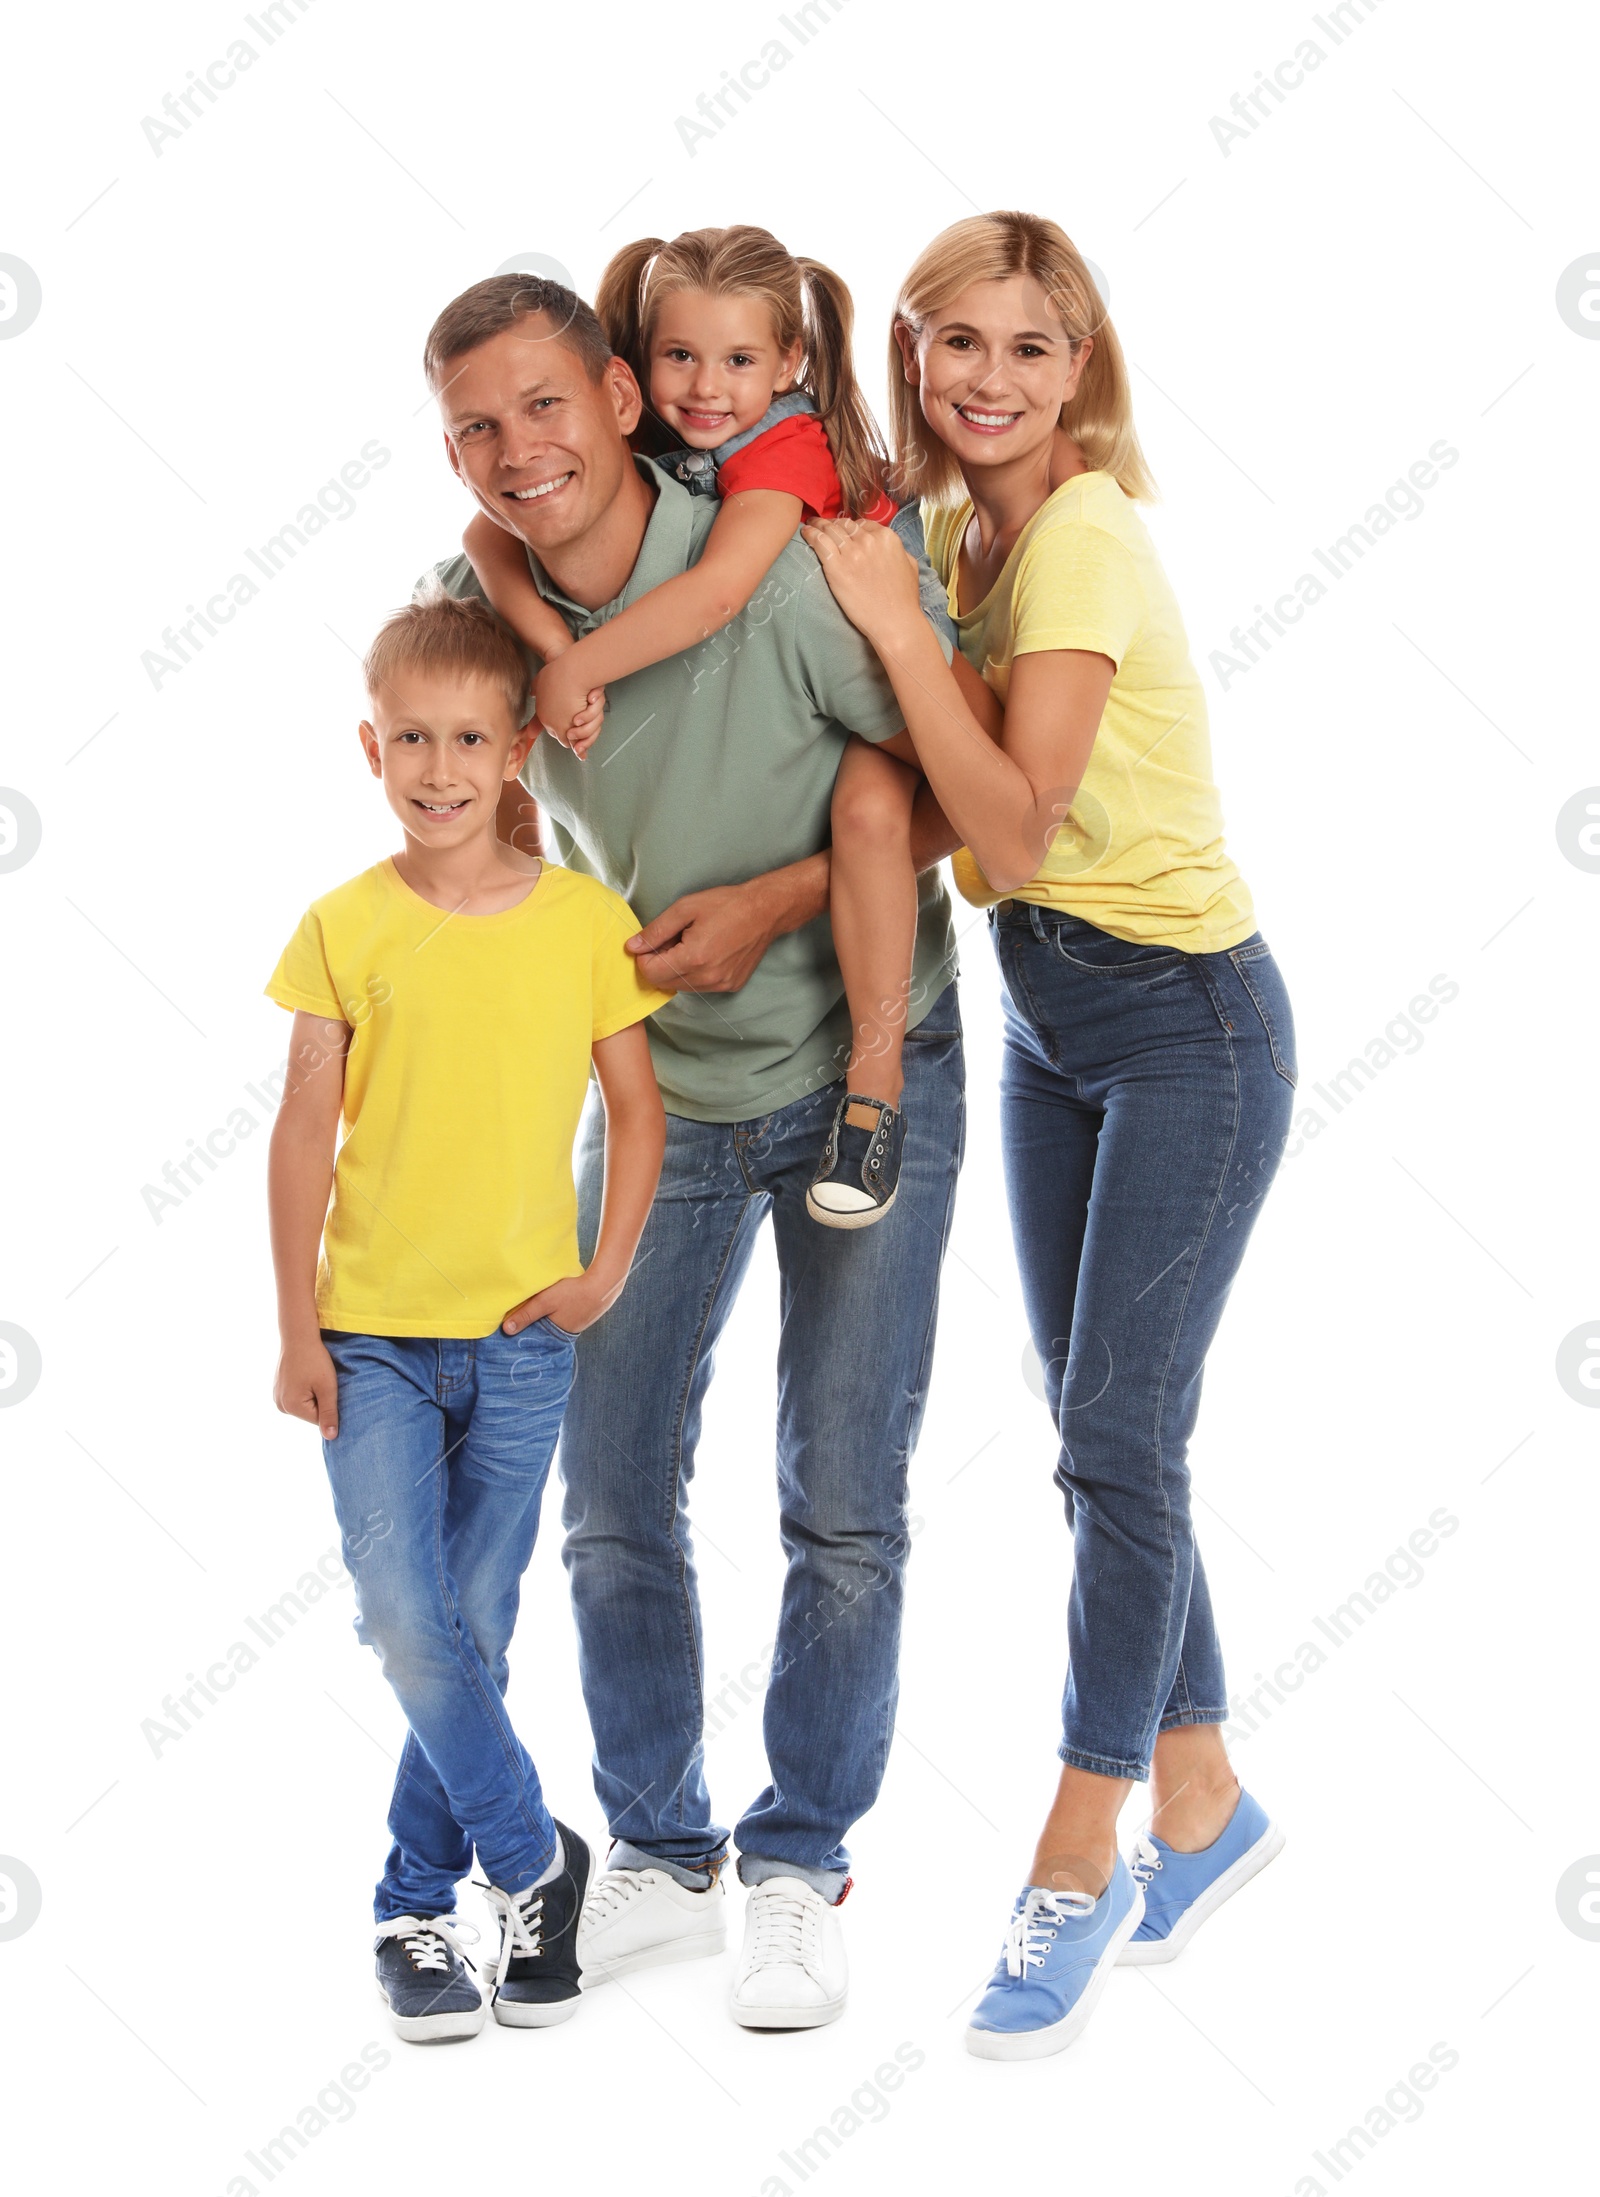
x=1080, y=359
x=906, y=337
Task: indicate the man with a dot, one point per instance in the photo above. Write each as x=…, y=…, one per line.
x=705, y=801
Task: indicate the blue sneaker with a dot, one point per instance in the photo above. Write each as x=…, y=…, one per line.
x=1060, y=1948
x=1181, y=1890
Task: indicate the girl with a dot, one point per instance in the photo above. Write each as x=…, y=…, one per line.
x=1149, y=1049
x=744, y=355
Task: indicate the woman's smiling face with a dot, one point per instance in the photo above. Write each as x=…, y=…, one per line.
x=993, y=369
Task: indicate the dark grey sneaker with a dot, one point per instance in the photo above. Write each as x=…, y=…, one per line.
x=534, y=1980
x=856, y=1182
x=426, y=1981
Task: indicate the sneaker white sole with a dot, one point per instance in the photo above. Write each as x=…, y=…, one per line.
x=700, y=1947
x=808, y=2016
x=864, y=1218
x=520, y=2014
x=1038, y=2044
x=435, y=2028
x=1153, y=1952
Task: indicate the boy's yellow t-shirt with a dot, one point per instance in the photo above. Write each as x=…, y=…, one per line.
x=1141, y=853
x=453, y=1196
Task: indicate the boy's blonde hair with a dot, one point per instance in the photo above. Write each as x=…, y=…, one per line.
x=456, y=635
x=808, y=305
x=990, y=248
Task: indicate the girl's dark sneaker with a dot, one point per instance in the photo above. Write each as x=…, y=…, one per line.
x=860, y=1172
x=426, y=1982
x=534, y=1982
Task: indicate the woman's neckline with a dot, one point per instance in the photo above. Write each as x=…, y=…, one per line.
x=965, y=516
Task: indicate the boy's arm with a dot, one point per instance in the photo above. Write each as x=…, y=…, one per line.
x=745, y=543
x=636, y=1136
x=299, y=1180
x=501, y=565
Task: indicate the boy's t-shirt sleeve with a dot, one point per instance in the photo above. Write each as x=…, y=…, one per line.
x=303, y=981
x=1078, y=587
x=620, y=997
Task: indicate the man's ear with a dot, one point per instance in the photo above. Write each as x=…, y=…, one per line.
x=373, y=751
x=451, y=453
x=626, y=395
x=906, y=337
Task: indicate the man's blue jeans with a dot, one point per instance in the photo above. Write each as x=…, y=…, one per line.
x=854, y=1350
x=1145, y=1098
x=437, y=1470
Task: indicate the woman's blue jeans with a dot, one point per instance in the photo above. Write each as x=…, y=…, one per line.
x=1145, y=1098
x=437, y=1471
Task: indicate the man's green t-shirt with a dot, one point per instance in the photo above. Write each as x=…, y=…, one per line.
x=711, y=768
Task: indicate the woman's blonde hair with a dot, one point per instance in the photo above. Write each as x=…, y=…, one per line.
x=808, y=303
x=990, y=248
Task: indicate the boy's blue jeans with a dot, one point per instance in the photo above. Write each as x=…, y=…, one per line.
x=854, y=1349
x=437, y=1471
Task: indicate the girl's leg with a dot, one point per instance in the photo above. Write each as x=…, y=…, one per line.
x=874, y=911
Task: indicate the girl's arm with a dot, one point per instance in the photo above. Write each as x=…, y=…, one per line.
x=1008, y=800
x=299, y=1180
x=746, y=540
x=636, y=1136
x=501, y=565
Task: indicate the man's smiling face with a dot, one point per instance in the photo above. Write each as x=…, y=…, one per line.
x=542, y=447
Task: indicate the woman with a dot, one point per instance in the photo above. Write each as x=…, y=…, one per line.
x=1149, y=1047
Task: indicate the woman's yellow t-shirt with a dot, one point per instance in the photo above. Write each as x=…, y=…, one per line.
x=453, y=1196
x=1141, y=853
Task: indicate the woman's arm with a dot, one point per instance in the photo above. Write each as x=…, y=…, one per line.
x=1006, y=801
x=746, y=541
x=636, y=1136
x=299, y=1179
x=501, y=565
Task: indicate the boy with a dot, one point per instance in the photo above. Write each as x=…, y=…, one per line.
x=449, y=1003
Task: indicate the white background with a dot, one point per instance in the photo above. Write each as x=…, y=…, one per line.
x=224, y=323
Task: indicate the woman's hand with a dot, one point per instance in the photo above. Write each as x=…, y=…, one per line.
x=871, y=572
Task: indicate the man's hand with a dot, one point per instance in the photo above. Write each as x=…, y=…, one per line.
x=708, y=941
x=572, y=1305
x=307, y=1386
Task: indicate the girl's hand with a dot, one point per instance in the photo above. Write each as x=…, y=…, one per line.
x=584, y=730
x=872, y=574
x=307, y=1386
x=562, y=696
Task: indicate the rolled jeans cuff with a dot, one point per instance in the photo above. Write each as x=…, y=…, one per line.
x=697, y=1876
x=753, y=1869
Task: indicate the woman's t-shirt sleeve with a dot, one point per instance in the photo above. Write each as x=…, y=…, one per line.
x=619, y=995
x=1078, y=587
x=303, y=981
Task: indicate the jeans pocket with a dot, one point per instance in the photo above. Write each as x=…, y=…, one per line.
x=1094, y=952
x=1258, y=973
x=565, y=1333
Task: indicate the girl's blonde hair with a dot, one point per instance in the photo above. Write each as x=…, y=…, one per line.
x=990, y=248
x=808, y=303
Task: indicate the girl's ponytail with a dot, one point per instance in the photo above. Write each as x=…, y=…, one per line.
x=621, y=311
x=829, y=378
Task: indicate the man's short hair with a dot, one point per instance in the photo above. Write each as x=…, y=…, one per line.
x=490, y=307
x=459, y=636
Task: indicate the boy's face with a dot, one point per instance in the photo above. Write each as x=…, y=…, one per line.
x=444, y=746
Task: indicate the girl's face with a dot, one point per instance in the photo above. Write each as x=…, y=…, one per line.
x=993, y=369
x=715, y=366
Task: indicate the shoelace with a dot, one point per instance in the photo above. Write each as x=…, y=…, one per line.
x=521, y=1916
x=610, y=1893
x=1146, y=1861
x=780, y=1920
x=1035, y=1923
x=429, y=1944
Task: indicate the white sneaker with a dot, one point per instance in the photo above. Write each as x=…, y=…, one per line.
x=792, y=1972
x=641, y=1918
